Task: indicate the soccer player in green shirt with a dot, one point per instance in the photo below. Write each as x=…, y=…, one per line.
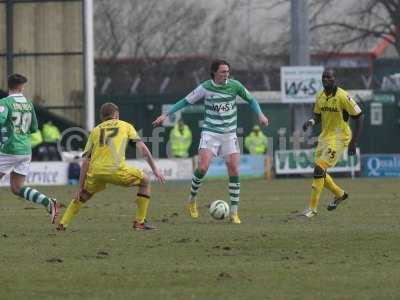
x=17, y=122
x=218, y=136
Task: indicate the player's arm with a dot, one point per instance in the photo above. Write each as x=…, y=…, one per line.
x=358, y=126
x=193, y=97
x=254, y=105
x=146, y=154
x=3, y=112
x=262, y=119
x=82, y=175
x=3, y=117
x=83, y=172
x=357, y=115
x=34, y=124
x=317, y=115
x=86, y=155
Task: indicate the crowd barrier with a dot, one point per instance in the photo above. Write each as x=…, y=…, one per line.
x=56, y=173
x=292, y=162
x=381, y=165
x=288, y=162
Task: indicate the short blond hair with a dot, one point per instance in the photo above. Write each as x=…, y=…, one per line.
x=107, y=110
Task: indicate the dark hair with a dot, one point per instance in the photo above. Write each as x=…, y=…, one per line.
x=215, y=65
x=14, y=80
x=107, y=110
x=330, y=70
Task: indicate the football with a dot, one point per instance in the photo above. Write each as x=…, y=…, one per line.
x=219, y=210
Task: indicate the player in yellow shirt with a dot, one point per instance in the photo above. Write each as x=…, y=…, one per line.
x=333, y=108
x=104, y=162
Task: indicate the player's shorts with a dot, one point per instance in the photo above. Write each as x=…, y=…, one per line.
x=330, y=152
x=221, y=144
x=125, y=176
x=14, y=163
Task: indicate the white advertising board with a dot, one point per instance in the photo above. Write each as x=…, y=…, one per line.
x=172, y=169
x=300, y=84
x=43, y=173
x=56, y=173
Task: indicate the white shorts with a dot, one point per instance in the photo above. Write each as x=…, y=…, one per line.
x=14, y=163
x=221, y=144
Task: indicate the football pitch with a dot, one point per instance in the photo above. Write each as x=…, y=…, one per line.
x=350, y=253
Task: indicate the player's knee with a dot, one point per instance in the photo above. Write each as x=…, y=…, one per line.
x=233, y=171
x=319, y=172
x=15, y=190
x=145, y=181
x=233, y=168
x=202, y=168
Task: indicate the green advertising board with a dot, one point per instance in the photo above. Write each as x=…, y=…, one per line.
x=302, y=162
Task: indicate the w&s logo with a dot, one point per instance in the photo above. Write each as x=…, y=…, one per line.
x=302, y=88
x=223, y=107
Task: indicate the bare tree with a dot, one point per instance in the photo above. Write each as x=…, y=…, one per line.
x=264, y=30
x=366, y=20
x=148, y=30
x=335, y=24
x=110, y=36
x=241, y=32
x=138, y=28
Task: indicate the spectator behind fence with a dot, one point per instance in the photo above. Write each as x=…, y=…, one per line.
x=38, y=149
x=180, y=139
x=256, y=142
x=74, y=170
x=51, y=135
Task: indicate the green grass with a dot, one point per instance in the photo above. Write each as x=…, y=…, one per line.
x=350, y=253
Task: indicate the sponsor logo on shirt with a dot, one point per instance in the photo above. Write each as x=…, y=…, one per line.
x=2, y=109
x=224, y=107
x=329, y=109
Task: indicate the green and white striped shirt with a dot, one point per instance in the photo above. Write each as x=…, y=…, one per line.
x=17, y=122
x=220, y=104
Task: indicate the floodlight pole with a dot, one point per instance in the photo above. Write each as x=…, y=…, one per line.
x=300, y=41
x=299, y=54
x=89, y=63
x=10, y=36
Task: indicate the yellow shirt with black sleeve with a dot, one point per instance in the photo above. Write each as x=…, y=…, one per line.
x=335, y=110
x=106, y=147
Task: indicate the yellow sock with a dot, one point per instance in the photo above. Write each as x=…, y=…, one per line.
x=73, y=208
x=317, y=186
x=142, y=202
x=331, y=185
